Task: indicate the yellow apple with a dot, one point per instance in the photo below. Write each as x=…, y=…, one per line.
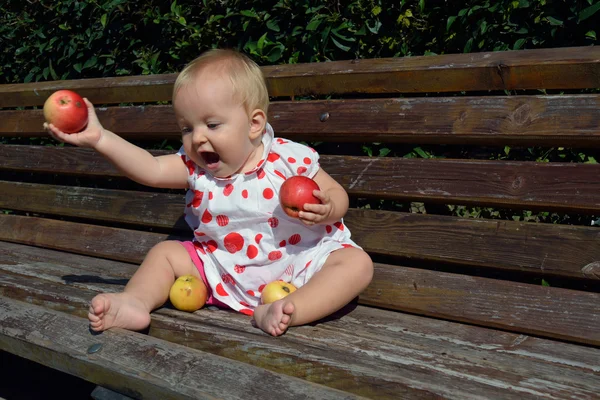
x=188, y=293
x=276, y=290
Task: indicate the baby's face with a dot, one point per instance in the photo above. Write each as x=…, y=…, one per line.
x=215, y=126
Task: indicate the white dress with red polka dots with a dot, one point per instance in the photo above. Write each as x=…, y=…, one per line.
x=242, y=234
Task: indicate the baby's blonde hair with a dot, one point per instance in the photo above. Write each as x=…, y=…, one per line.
x=245, y=75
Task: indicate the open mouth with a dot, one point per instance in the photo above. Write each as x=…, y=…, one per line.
x=211, y=159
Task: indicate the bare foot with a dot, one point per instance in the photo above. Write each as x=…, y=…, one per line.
x=274, y=318
x=120, y=310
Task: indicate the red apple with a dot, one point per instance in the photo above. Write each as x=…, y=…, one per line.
x=295, y=192
x=66, y=110
x=275, y=291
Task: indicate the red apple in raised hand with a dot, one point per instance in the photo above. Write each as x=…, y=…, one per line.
x=66, y=110
x=295, y=192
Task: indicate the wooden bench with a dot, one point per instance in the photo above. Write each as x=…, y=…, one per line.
x=456, y=309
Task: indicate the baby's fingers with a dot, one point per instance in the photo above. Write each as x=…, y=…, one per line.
x=55, y=132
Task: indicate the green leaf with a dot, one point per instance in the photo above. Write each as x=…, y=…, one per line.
x=314, y=24
x=249, y=13
x=77, y=67
x=468, y=46
x=518, y=44
x=261, y=42
x=103, y=20
x=273, y=25
x=384, y=152
x=376, y=10
x=545, y=283
x=421, y=152
x=90, y=62
x=588, y=12
x=591, y=34
x=339, y=45
x=451, y=20
x=554, y=21
x=376, y=26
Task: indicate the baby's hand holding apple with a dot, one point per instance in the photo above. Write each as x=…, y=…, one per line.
x=317, y=213
x=72, y=119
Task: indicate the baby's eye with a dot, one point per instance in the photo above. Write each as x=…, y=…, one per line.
x=185, y=130
x=213, y=125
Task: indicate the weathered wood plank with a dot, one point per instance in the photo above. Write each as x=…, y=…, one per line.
x=513, y=306
x=547, y=249
x=530, y=309
x=137, y=365
x=569, y=120
x=390, y=340
x=559, y=68
x=566, y=187
x=162, y=210
x=544, y=249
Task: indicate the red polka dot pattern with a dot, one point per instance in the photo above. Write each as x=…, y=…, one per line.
x=221, y=290
x=222, y=220
x=233, y=242
x=295, y=239
x=275, y=255
x=206, y=217
x=252, y=251
x=268, y=193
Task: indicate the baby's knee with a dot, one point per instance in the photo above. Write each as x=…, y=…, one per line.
x=365, y=266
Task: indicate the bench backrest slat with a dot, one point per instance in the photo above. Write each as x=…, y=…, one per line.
x=568, y=120
x=564, y=68
x=566, y=187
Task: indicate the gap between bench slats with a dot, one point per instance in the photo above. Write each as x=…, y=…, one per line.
x=396, y=349
x=433, y=292
x=559, y=68
x=566, y=187
x=545, y=249
x=568, y=120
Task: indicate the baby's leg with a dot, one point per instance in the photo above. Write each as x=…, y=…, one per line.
x=345, y=274
x=147, y=289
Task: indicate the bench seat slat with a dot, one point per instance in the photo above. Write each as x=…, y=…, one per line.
x=435, y=292
x=414, y=341
x=566, y=187
x=559, y=68
x=545, y=249
x=138, y=365
x=568, y=120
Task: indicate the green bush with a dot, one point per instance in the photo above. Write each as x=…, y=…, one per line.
x=70, y=39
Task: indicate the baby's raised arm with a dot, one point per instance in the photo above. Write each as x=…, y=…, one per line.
x=136, y=163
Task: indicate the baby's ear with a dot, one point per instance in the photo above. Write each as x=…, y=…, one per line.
x=258, y=123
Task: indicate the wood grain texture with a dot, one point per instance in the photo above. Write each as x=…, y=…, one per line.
x=544, y=249
x=536, y=310
x=559, y=250
x=137, y=365
x=566, y=187
x=568, y=120
x=516, y=307
x=400, y=354
x=559, y=68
